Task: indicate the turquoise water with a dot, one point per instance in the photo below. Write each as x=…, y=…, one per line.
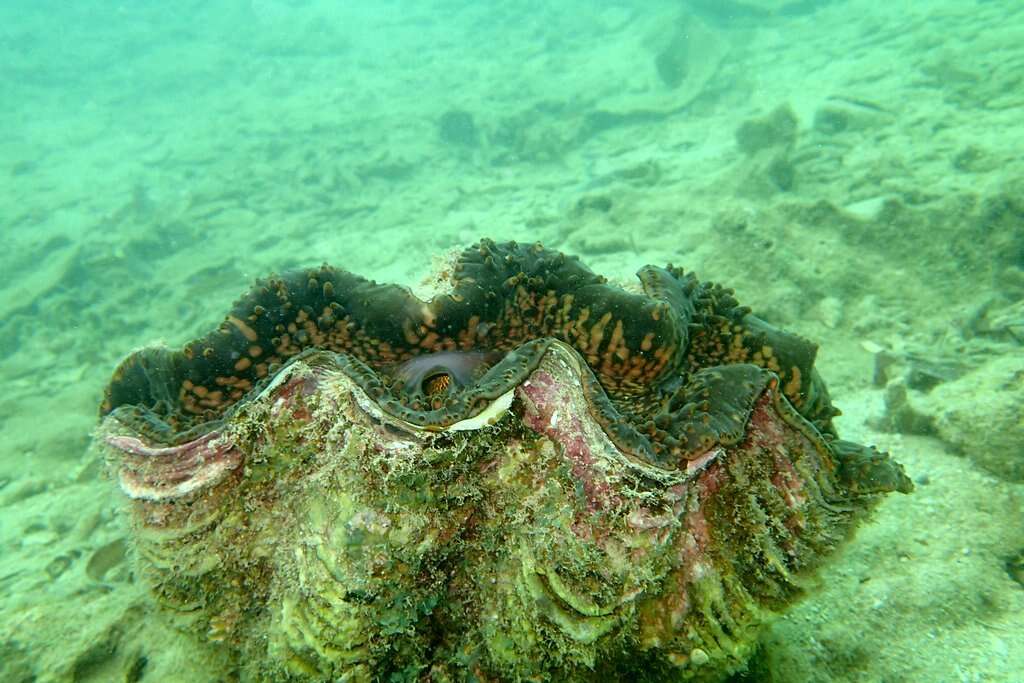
x=852, y=168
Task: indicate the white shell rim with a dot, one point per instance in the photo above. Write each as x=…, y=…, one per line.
x=490, y=415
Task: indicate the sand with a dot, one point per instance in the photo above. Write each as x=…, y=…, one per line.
x=158, y=157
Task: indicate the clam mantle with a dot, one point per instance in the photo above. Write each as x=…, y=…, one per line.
x=536, y=474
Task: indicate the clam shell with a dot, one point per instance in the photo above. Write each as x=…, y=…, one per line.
x=535, y=475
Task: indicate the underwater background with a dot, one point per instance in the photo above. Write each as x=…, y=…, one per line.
x=853, y=168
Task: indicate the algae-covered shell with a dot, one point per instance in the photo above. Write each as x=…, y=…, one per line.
x=595, y=493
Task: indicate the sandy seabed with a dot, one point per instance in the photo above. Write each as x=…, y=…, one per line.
x=855, y=174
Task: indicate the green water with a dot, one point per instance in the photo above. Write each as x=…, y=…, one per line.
x=853, y=168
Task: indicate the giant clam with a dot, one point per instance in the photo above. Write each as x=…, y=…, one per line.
x=534, y=475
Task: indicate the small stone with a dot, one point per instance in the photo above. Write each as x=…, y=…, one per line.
x=782, y=172
x=1015, y=568
x=871, y=347
x=672, y=63
x=457, y=127
x=900, y=416
x=58, y=566
x=777, y=129
x=867, y=209
x=23, y=490
x=973, y=159
x=979, y=414
x=830, y=312
x=105, y=559
x=842, y=115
